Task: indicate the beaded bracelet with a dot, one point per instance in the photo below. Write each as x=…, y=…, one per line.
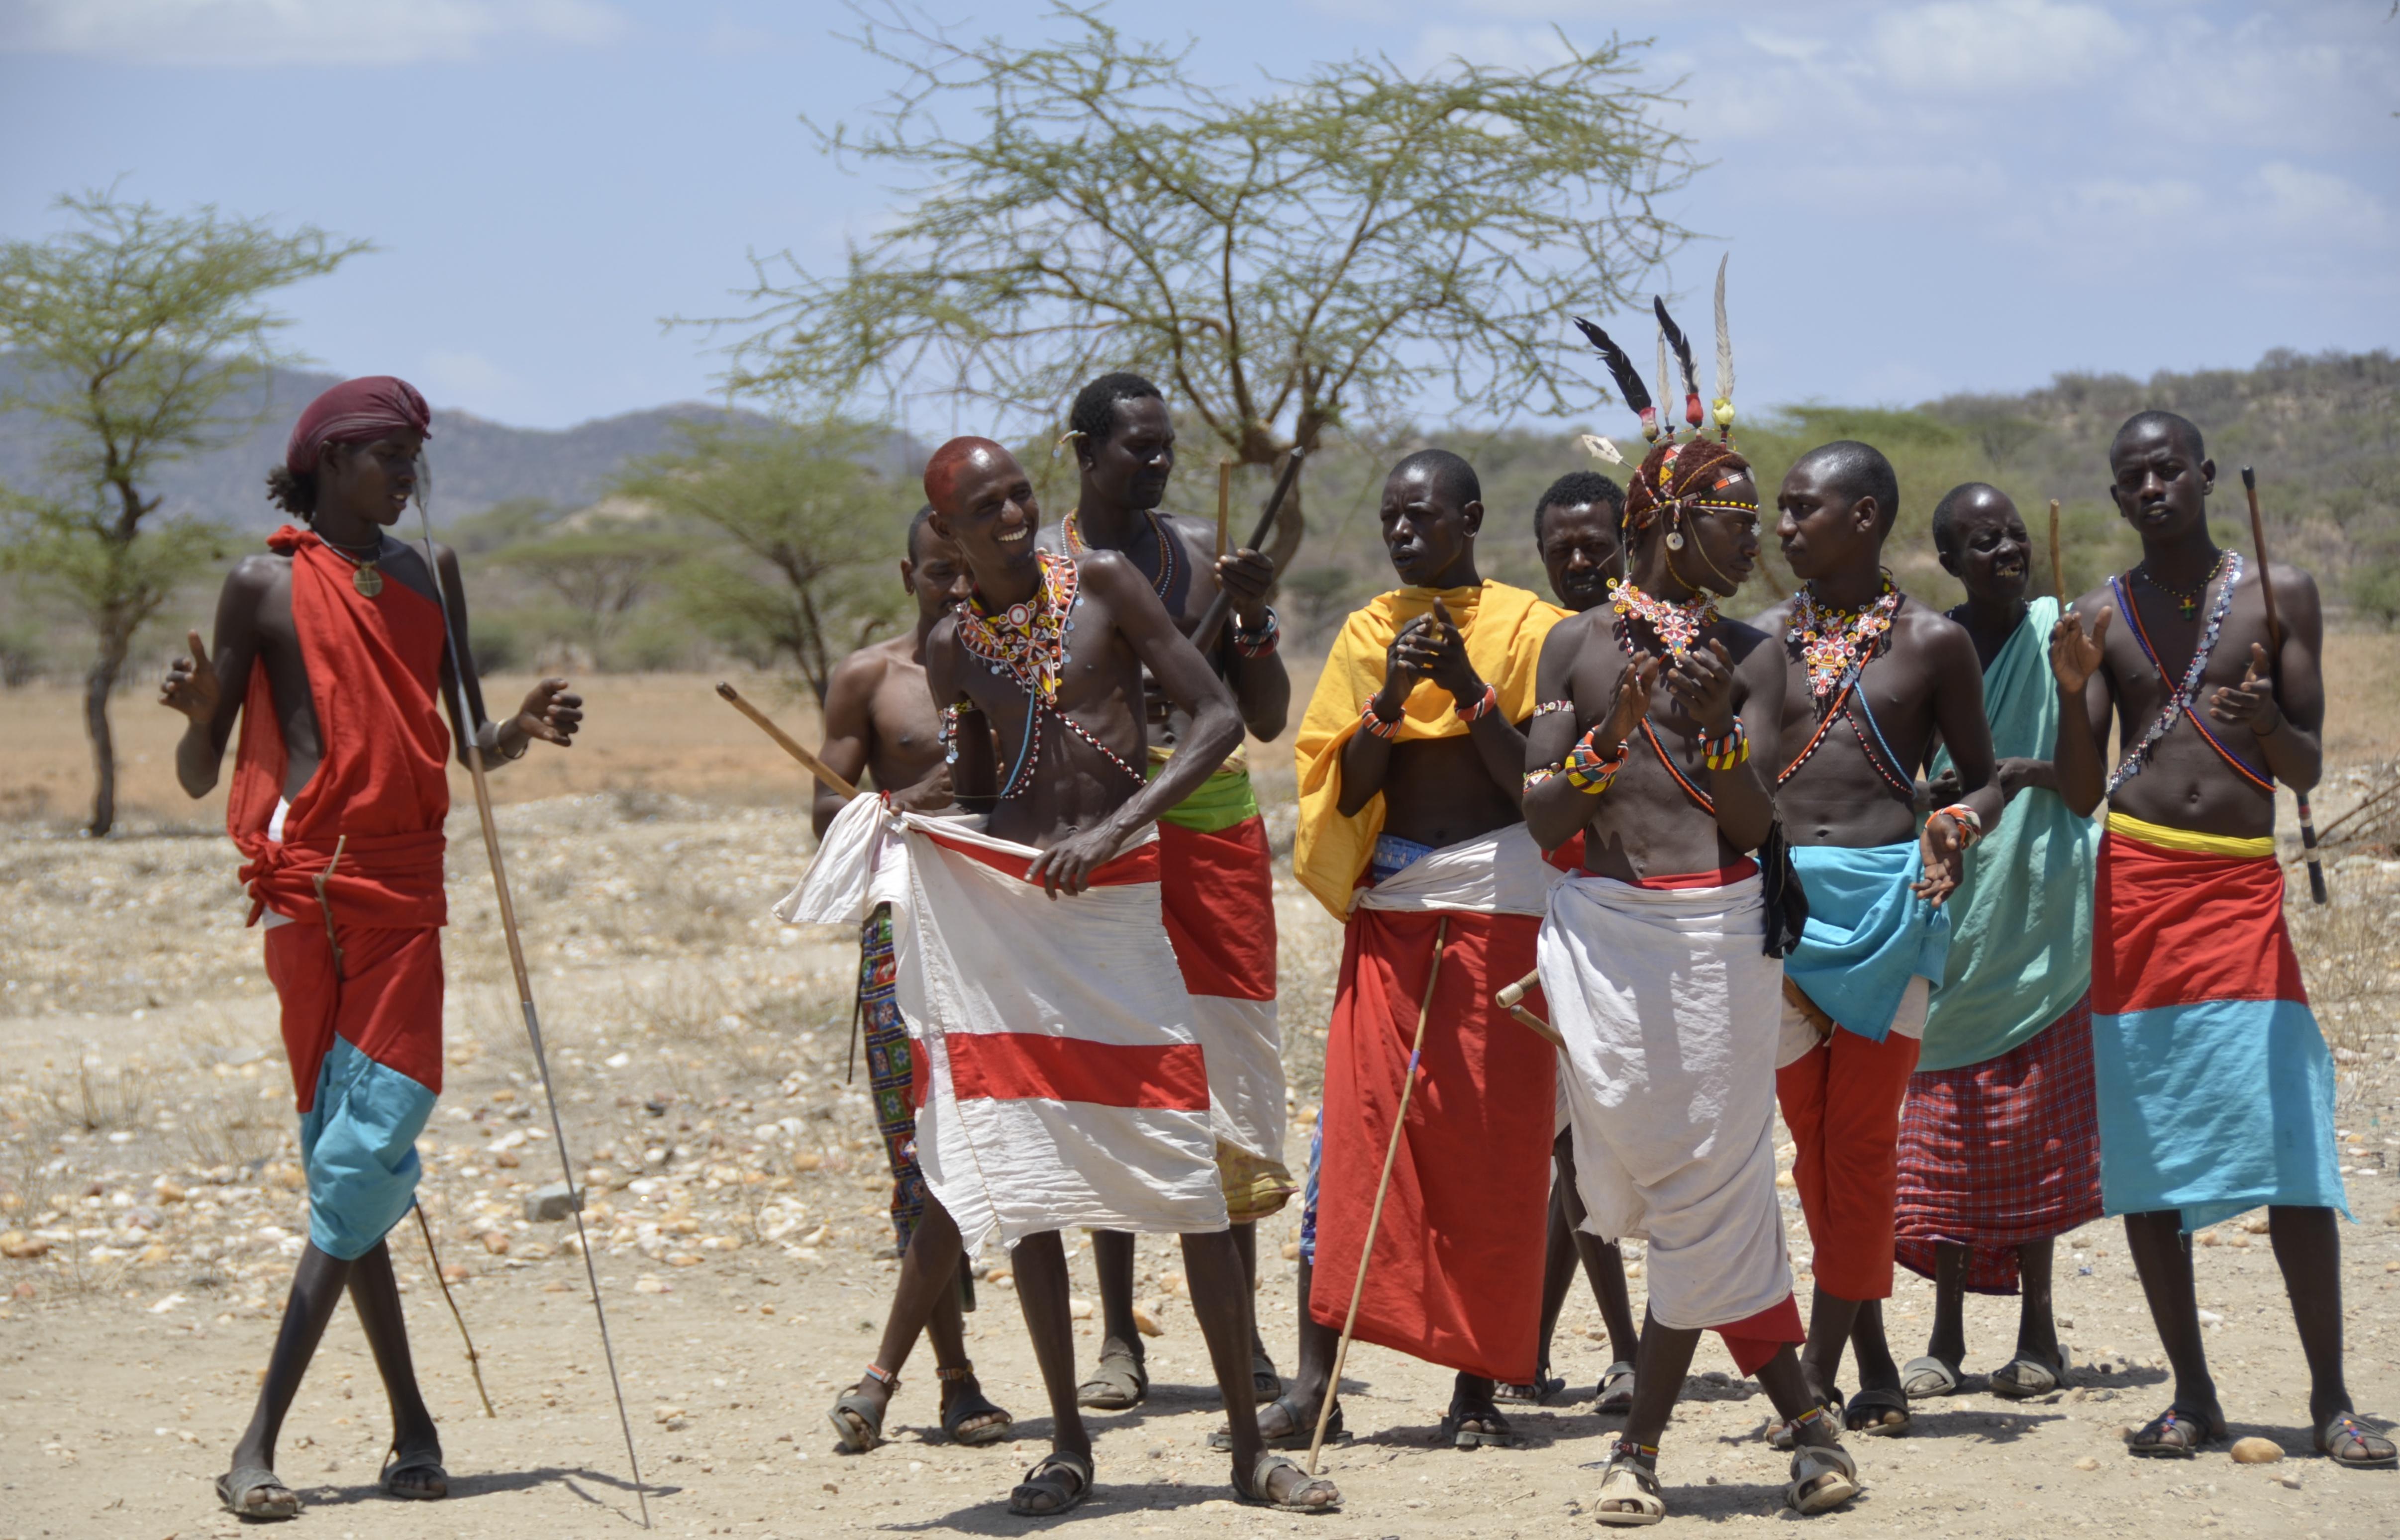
x=1483, y=706
x=1724, y=751
x=1536, y=777
x=1587, y=769
x=1261, y=643
x=1552, y=708
x=1970, y=822
x=1375, y=725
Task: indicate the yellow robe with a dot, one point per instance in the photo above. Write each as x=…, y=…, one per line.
x=1504, y=627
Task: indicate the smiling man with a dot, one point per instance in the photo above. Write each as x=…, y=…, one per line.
x=1215, y=870
x=1412, y=758
x=1066, y=1084
x=1999, y=1147
x=1652, y=743
x=2214, y=1087
x=331, y=654
x=1874, y=677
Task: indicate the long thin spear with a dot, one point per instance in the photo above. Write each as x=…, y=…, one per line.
x=1391, y=1153
x=2057, y=565
x=524, y=993
x=2275, y=671
x=789, y=744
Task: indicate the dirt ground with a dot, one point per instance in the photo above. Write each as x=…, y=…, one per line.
x=148, y=1190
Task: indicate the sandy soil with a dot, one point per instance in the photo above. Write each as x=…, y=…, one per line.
x=738, y=1225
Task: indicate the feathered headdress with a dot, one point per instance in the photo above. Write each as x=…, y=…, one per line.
x=1673, y=474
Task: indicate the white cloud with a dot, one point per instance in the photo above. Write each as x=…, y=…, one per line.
x=2298, y=204
x=1990, y=46
x=252, y=33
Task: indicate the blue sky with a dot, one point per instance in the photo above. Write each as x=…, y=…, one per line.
x=1919, y=198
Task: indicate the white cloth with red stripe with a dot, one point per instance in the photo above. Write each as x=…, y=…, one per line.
x=1066, y=1087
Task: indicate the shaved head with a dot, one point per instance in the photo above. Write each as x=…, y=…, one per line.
x=1860, y=471
x=2174, y=424
x=951, y=463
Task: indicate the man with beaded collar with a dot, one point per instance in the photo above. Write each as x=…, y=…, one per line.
x=2214, y=1086
x=1215, y=870
x=1874, y=677
x=1070, y=1102
x=1649, y=759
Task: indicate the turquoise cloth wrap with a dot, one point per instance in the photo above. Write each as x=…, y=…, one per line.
x=2021, y=921
x=1867, y=935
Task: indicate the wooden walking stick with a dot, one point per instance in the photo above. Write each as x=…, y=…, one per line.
x=790, y=745
x=474, y=1360
x=2058, y=566
x=1212, y=619
x=525, y=991
x=1391, y=1153
x=1224, y=504
x=1512, y=999
x=2274, y=669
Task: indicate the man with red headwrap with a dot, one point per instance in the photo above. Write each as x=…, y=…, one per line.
x=330, y=651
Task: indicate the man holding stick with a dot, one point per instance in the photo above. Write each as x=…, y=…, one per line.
x=1066, y=1084
x=1411, y=758
x=2215, y=1085
x=330, y=653
x=1874, y=678
x=2000, y=1141
x=879, y=717
x=1658, y=724
x=1216, y=872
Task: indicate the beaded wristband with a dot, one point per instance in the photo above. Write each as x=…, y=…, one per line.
x=1970, y=822
x=1552, y=708
x=1536, y=777
x=1483, y=706
x=883, y=1376
x=1375, y=724
x=1726, y=750
x=1261, y=643
x=1587, y=769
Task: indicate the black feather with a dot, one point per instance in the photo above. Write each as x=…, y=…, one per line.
x=1682, y=346
x=1629, y=379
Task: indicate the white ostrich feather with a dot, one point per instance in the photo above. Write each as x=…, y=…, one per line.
x=1724, y=337
x=1601, y=449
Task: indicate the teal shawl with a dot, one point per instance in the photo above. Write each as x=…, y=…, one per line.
x=2021, y=921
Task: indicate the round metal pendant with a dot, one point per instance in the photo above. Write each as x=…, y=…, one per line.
x=366, y=580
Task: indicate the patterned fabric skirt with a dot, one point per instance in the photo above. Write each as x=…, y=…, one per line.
x=891, y=1068
x=1994, y=1154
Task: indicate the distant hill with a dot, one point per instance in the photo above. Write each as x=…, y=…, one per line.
x=476, y=463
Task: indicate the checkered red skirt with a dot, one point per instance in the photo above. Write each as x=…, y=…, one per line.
x=1994, y=1154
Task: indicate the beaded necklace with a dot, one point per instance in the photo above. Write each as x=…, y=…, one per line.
x=2180, y=699
x=1677, y=622
x=1028, y=642
x=1834, y=644
x=1077, y=545
x=2187, y=600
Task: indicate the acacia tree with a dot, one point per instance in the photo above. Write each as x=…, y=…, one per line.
x=134, y=333
x=1310, y=257
x=813, y=532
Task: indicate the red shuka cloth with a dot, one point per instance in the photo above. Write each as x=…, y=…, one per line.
x=380, y=792
x=1456, y=1275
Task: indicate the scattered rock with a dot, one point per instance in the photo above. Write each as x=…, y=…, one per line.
x=552, y=1203
x=495, y=1242
x=1146, y=1321
x=454, y=1273
x=1292, y=1251
x=20, y=1246
x=652, y=1285
x=1080, y=1309
x=2254, y=1451
x=2256, y=1225
x=2087, y=1463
